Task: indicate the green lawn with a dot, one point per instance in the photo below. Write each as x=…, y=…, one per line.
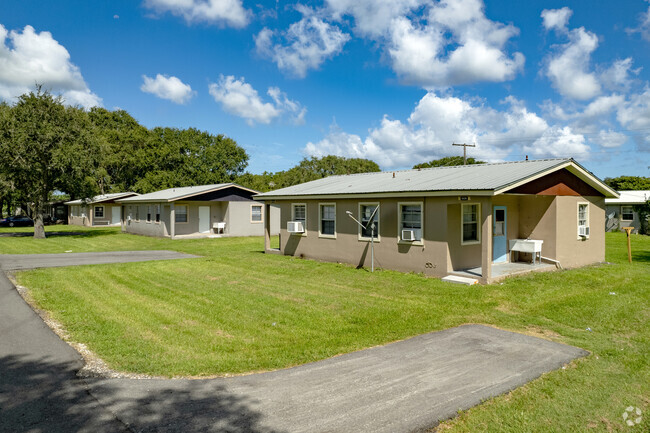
x=238, y=310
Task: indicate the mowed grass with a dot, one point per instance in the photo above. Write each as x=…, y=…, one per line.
x=237, y=310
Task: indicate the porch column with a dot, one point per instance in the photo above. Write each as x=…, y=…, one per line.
x=486, y=241
x=266, y=215
x=172, y=221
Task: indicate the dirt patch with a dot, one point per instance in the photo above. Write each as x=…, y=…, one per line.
x=547, y=334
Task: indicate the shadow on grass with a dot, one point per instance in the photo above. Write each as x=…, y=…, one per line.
x=44, y=396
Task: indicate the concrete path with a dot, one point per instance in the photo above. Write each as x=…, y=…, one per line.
x=401, y=387
x=13, y=262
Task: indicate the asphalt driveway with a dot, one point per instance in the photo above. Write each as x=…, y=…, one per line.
x=400, y=387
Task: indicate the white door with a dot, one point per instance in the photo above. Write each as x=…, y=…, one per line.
x=116, y=214
x=204, y=219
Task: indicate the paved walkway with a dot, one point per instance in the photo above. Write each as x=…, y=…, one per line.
x=401, y=387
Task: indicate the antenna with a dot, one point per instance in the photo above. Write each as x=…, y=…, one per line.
x=371, y=224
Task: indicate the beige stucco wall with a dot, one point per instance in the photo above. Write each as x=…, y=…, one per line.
x=236, y=215
x=552, y=219
x=572, y=250
x=89, y=211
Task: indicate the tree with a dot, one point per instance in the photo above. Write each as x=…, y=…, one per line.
x=46, y=146
x=628, y=183
x=447, y=161
x=307, y=170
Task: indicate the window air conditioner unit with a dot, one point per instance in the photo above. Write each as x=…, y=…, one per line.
x=408, y=235
x=583, y=231
x=295, y=227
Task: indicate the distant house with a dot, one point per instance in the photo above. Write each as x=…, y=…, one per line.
x=486, y=221
x=620, y=211
x=225, y=209
x=101, y=210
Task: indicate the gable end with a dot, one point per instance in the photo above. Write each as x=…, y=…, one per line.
x=559, y=183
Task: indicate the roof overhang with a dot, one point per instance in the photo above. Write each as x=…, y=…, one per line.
x=144, y=199
x=446, y=193
x=115, y=198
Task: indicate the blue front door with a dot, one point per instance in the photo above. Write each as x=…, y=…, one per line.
x=499, y=234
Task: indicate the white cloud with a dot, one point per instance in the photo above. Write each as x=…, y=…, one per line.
x=456, y=45
x=568, y=70
x=29, y=57
x=617, y=77
x=438, y=121
x=644, y=25
x=372, y=17
x=556, y=18
x=239, y=98
x=166, y=87
x=222, y=12
x=305, y=45
x=610, y=139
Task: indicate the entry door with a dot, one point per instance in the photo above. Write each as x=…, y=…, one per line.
x=116, y=214
x=499, y=234
x=204, y=219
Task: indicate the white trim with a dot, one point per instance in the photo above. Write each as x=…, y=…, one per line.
x=580, y=203
x=95, y=211
x=320, y=221
x=187, y=213
x=478, y=224
x=379, y=195
x=304, y=224
x=261, y=206
x=399, y=222
x=360, y=237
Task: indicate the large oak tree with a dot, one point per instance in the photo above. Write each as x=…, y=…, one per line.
x=45, y=147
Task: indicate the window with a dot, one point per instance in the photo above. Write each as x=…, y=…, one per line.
x=627, y=213
x=256, y=213
x=327, y=225
x=99, y=211
x=583, y=220
x=157, y=213
x=181, y=214
x=470, y=224
x=129, y=212
x=299, y=214
x=410, y=218
x=137, y=212
x=148, y=213
x=366, y=210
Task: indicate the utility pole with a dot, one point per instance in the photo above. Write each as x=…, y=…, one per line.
x=465, y=146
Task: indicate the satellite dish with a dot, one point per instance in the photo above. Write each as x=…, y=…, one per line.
x=611, y=215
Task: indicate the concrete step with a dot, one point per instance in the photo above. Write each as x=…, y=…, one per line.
x=456, y=279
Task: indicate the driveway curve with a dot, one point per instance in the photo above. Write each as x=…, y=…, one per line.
x=401, y=387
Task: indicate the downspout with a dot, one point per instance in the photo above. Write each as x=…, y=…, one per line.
x=556, y=262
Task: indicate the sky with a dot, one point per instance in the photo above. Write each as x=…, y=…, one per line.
x=394, y=81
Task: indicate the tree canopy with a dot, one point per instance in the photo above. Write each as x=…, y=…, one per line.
x=46, y=147
x=448, y=161
x=628, y=183
x=307, y=170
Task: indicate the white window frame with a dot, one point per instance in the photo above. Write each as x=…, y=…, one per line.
x=631, y=212
x=399, y=222
x=478, y=224
x=186, y=213
x=582, y=203
x=359, y=232
x=95, y=212
x=149, y=214
x=293, y=218
x=320, y=221
x=261, y=220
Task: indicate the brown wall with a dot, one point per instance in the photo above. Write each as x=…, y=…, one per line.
x=572, y=250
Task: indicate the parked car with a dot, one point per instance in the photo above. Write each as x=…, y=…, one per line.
x=17, y=221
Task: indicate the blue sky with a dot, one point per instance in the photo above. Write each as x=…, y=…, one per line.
x=395, y=81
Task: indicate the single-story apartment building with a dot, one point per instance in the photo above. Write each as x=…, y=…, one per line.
x=620, y=212
x=101, y=210
x=440, y=221
x=225, y=209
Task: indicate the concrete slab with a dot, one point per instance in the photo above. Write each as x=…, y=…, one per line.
x=456, y=279
x=401, y=387
x=14, y=262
